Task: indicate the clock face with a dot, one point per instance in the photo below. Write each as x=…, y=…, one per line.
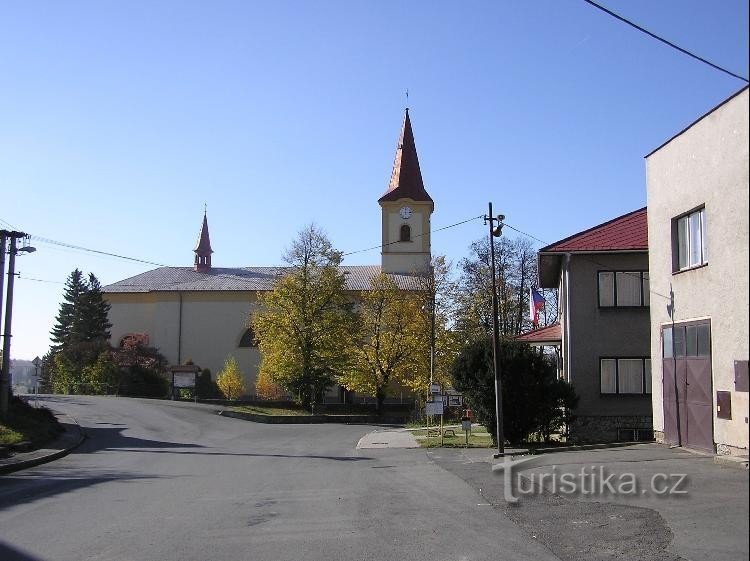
x=405, y=212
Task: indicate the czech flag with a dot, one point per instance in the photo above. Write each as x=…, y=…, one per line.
x=536, y=303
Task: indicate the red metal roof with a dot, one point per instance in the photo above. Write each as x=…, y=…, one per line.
x=624, y=233
x=406, y=177
x=549, y=334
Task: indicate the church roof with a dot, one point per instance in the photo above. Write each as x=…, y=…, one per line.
x=240, y=279
x=203, y=245
x=406, y=177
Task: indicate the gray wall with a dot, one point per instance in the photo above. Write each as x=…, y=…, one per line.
x=604, y=332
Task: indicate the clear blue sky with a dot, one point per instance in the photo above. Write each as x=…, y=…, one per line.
x=118, y=120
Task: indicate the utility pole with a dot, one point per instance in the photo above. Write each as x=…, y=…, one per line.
x=495, y=233
x=5, y=372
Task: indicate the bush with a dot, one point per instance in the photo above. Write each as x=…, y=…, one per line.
x=205, y=386
x=230, y=380
x=535, y=401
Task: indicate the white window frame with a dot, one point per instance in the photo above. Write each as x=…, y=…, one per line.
x=689, y=247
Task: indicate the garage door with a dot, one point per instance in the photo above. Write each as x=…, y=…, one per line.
x=687, y=385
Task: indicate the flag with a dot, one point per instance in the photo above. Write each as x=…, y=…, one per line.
x=536, y=303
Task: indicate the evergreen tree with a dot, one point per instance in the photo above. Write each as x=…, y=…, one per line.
x=94, y=312
x=68, y=323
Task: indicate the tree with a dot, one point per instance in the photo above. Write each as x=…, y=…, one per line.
x=67, y=329
x=515, y=274
x=229, y=380
x=304, y=322
x=535, y=401
x=437, y=295
x=205, y=386
x=80, y=334
x=266, y=388
x=94, y=312
x=102, y=376
x=387, y=341
x=141, y=367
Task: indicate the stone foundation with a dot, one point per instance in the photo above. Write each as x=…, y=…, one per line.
x=729, y=450
x=600, y=428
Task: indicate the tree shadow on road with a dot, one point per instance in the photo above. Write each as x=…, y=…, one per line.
x=27, y=487
x=10, y=553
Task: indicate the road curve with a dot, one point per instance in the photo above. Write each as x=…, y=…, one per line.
x=161, y=481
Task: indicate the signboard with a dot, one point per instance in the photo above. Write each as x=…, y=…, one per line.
x=435, y=389
x=465, y=425
x=433, y=408
x=184, y=379
x=455, y=400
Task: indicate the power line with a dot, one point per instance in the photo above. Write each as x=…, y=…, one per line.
x=81, y=248
x=417, y=236
x=38, y=280
x=647, y=32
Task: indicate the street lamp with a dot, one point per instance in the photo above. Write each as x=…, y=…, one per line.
x=37, y=362
x=12, y=252
x=496, y=232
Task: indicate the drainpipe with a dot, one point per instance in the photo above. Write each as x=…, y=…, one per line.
x=566, y=304
x=179, y=332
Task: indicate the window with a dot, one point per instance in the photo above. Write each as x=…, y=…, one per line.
x=405, y=233
x=691, y=340
x=248, y=338
x=625, y=376
x=623, y=289
x=689, y=247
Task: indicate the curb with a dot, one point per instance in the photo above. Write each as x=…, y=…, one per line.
x=71, y=437
x=581, y=447
x=312, y=419
x=735, y=462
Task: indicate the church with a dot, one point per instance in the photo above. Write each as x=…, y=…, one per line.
x=202, y=313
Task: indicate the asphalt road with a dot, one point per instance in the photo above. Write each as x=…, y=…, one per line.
x=159, y=481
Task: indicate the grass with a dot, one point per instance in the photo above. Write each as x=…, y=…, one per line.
x=478, y=438
x=26, y=423
x=270, y=410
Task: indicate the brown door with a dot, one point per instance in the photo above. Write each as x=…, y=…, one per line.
x=687, y=386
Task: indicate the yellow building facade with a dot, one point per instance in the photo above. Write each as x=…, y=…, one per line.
x=201, y=313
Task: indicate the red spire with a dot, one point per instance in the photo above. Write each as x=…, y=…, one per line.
x=406, y=178
x=203, y=249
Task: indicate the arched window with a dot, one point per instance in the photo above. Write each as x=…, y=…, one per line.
x=248, y=338
x=405, y=233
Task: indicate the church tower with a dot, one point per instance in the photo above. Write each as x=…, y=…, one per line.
x=203, y=249
x=406, y=209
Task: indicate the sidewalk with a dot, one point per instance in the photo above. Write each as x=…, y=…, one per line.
x=68, y=440
x=388, y=438
x=709, y=521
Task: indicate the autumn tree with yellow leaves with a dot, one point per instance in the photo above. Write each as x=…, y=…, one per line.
x=229, y=380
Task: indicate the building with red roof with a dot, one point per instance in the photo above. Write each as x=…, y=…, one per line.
x=602, y=328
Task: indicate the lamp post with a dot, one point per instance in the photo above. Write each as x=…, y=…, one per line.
x=5, y=372
x=37, y=363
x=496, y=233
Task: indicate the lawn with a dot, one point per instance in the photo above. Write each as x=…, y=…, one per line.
x=478, y=438
x=25, y=423
x=270, y=410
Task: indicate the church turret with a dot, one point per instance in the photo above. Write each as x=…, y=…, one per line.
x=406, y=210
x=203, y=249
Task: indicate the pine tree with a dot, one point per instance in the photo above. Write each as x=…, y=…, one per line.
x=95, y=312
x=68, y=322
